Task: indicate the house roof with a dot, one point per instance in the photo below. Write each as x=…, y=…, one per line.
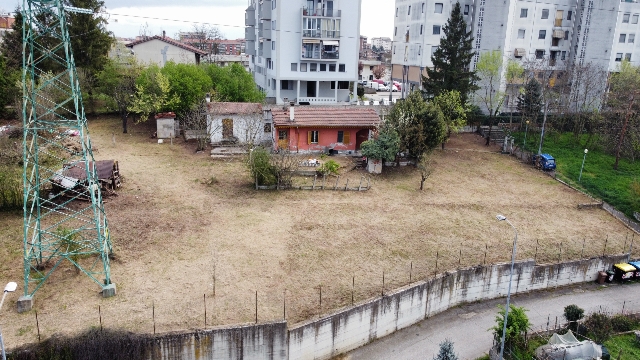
x=233, y=108
x=168, y=41
x=326, y=116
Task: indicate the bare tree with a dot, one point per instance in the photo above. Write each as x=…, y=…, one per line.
x=253, y=128
x=584, y=96
x=199, y=122
x=285, y=164
x=207, y=38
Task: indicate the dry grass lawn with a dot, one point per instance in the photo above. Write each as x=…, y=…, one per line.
x=174, y=230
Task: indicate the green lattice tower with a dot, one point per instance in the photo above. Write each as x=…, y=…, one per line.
x=64, y=217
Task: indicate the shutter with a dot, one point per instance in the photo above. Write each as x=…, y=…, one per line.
x=308, y=137
x=345, y=138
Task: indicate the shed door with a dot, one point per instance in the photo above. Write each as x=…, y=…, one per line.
x=227, y=128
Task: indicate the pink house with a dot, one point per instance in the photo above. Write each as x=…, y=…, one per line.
x=335, y=129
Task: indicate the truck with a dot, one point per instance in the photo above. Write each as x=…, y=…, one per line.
x=545, y=162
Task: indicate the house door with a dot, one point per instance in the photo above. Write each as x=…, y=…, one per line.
x=227, y=128
x=311, y=89
x=361, y=136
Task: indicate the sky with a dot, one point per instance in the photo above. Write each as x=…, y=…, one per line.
x=228, y=15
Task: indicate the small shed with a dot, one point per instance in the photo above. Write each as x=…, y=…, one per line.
x=166, y=125
x=237, y=123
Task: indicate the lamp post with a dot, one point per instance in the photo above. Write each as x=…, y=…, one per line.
x=583, y=159
x=526, y=128
x=513, y=259
x=11, y=287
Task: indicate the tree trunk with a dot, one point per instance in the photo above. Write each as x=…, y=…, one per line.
x=124, y=123
x=422, y=182
x=624, y=129
x=490, y=126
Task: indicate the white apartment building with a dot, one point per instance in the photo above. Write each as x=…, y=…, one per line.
x=560, y=31
x=304, y=49
x=381, y=42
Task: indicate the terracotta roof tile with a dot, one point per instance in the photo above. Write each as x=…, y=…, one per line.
x=232, y=108
x=168, y=41
x=326, y=116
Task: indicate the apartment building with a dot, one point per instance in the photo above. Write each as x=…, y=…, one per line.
x=560, y=32
x=305, y=50
x=381, y=43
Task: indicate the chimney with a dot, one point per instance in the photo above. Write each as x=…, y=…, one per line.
x=163, y=34
x=291, y=114
x=286, y=104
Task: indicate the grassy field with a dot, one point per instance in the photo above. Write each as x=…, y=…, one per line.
x=182, y=220
x=598, y=177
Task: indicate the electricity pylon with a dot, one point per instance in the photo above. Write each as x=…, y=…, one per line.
x=64, y=217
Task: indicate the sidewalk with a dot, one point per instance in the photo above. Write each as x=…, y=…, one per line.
x=467, y=326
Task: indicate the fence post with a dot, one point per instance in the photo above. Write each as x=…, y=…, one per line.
x=205, y=311
x=410, y=272
x=99, y=315
x=382, y=283
x=256, y=306
x=336, y=185
x=486, y=247
x=360, y=186
x=435, y=273
x=535, y=257
x=320, y=300
x=153, y=314
x=560, y=256
x=324, y=177
x=38, y=323
x=460, y=257
x=353, y=285
x=346, y=186
x=368, y=182
x=582, y=253
x=314, y=182
x=605, y=246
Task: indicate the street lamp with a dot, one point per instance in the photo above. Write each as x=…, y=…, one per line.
x=583, y=159
x=513, y=259
x=11, y=287
x=526, y=128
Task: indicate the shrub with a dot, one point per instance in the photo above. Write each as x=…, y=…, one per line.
x=260, y=167
x=573, y=313
x=623, y=323
x=10, y=188
x=329, y=167
x=600, y=327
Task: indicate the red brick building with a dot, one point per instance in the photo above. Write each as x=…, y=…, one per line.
x=322, y=129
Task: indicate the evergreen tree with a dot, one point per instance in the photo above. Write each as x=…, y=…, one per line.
x=446, y=351
x=451, y=60
x=530, y=101
x=11, y=44
x=88, y=34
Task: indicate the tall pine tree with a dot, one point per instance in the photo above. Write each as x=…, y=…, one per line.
x=451, y=60
x=530, y=101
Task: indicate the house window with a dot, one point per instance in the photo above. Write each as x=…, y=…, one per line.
x=343, y=137
x=343, y=85
x=569, y=13
x=282, y=135
x=631, y=38
x=423, y=5
x=341, y=68
x=286, y=84
x=634, y=19
x=566, y=35
x=409, y=12
x=627, y=57
x=563, y=55
x=313, y=67
x=303, y=67
x=520, y=33
x=625, y=18
x=466, y=10
x=539, y=54
x=267, y=129
x=323, y=67
x=545, y=13
x=619, y=57
x=332, y=67
x=312, y=137
x=438, y=8
x=524, y=13
x=436, y=29
x=294, y=66
x=623, y=38
x=421, y=27
x=542, y=34
x=419, y=49
x=396, y=12
x=395, y=31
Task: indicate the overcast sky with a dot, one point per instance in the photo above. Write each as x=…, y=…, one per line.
x=228, y=15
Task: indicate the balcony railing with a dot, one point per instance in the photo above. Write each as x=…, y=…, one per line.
x=321, y=55
x=321, y=12
x=327, y=34
x=250, y=34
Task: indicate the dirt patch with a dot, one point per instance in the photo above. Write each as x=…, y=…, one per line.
x=182, y=219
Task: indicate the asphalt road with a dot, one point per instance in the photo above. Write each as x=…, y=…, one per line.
x=467, y=326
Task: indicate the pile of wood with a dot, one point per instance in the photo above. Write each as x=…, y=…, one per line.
x=71, y=180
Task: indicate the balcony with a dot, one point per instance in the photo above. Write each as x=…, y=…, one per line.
x=250, y=17
x=557, y=23
x=321, y=12
x=250, y=34
x=265, y=10
x=317, y=100
x=266, y=33
x=250, y=48
x=265, y=52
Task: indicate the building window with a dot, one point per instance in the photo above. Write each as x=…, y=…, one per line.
x=438, y=8
x=539, y=54
x=394, y=49
x=623, y=38
x=436, y=29
x=569, y=13
x=542, y=34
x=343, y=85
x=627, y=57
x=563, y=55
x=294, y=66
x=267, y=129
x=282, y=135
x=545, y=13
x=631, y=38
x=323, y=67
x=286, y=84
x=409, y=12
x=625, y=18
x=634, y=19
x=342, y=68
x=303, y=67
x=395, y=31
x=433, y=49
x=343, y=137
x=566, y=35
x=423, y=6
x=273, y=84
x=419, y=49
x=313, y=67
x=523, y=13
x=396, y=12
x=332, y=67
x=520, y=33
x=466, y=10
x=312, y=137
x=421, y=27
x=273, y=45
x=619, y=57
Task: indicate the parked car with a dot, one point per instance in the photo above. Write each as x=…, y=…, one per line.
x=382, y=87
x=394, y=88
x=379, y=81
x=545, y=162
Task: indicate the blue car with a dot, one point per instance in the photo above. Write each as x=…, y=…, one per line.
x=545, y=162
